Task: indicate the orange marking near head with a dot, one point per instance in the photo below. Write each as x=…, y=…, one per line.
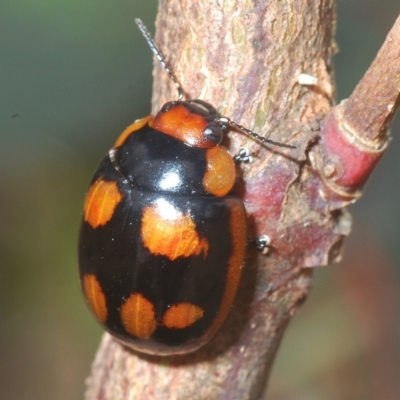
x=220, y=175
x=100, y=202
x=167, y=232
x=182, y=315
x=95, y=297
x=131, y=129
x=138, y=317
x=184, y=125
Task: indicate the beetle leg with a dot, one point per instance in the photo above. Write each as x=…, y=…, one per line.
x=243, y=156
x=263, y=244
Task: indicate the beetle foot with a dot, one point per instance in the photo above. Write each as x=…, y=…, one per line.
x=263, y=243
x=243, y=156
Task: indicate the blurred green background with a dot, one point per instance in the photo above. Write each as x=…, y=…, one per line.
x=72, y=76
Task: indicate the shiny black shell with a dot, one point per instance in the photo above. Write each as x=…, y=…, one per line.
x=159, y=301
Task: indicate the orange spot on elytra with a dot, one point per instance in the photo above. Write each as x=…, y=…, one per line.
x=182, y=315
x=138, y=317
x=238, y=225
x=167, y=232
x=100, y=202
x=235, y=264
x=131, y=129
x=95, y=297
x=220, y=174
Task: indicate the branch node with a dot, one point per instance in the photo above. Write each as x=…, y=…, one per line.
x=344, y=156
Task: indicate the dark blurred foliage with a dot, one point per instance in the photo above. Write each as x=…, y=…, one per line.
x=344, y=344
x=72, y=76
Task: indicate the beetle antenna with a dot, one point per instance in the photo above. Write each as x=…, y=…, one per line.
x=160, y=56
x=227, y=121
x=223, y=120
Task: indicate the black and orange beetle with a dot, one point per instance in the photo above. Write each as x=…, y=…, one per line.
x=162, y=244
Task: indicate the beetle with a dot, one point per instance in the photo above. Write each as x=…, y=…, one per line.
x=162, y=243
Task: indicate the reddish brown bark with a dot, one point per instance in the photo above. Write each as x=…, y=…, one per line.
x=354, y=134
x=245, y=59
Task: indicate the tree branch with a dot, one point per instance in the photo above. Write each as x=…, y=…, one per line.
x=245, y=59
x=354, y=135
x=371, y=107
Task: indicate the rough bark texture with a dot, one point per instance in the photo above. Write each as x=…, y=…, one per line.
x=245, y=58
